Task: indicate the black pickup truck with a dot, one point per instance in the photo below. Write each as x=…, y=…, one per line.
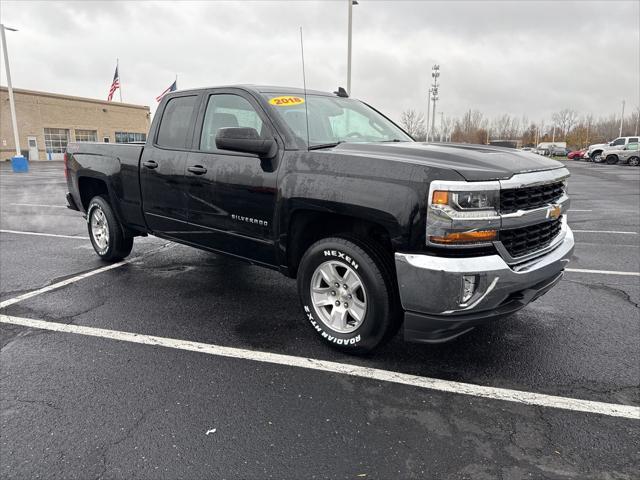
x=377, y=228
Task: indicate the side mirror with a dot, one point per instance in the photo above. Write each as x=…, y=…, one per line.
x=246, y=140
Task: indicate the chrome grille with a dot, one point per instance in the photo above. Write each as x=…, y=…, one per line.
x=527, y=198
x=525, y=240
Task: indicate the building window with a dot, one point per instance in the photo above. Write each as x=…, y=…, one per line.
x=86, y=136
x=56, y=139
x=126, y=137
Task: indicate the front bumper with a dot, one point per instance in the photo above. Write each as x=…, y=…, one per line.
x=431, y=289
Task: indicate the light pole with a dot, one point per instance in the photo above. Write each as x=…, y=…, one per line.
x=428, y=113
x=18, y=162
x=435, y=73
x=621, y=119
x=351, y=4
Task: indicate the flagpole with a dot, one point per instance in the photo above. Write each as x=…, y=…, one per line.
x=119, y=79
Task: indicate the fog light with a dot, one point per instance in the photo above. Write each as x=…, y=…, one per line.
x=469, y=283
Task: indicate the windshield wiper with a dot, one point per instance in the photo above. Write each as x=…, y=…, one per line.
x=325, y=145
x=393, y=140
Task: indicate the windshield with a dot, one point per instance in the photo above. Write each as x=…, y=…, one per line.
x=334, y=120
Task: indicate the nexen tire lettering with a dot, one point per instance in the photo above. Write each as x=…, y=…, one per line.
x=343, y=256
x=325, y=335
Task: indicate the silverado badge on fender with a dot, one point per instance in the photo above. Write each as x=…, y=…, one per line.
x=255, y=221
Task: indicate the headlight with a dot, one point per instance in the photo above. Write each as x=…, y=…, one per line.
x=463, y=217
x=471, y=201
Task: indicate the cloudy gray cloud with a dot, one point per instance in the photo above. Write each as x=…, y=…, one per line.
x=522, y=58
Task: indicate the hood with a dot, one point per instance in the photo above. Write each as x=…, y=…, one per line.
x=598, y=145
x=473, y=162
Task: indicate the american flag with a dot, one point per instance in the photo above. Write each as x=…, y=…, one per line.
x=172, y=88
x=114, y=85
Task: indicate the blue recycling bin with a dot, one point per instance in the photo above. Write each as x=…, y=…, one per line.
x=19, y=164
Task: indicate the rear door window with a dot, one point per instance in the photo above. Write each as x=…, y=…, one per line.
x=177, y=119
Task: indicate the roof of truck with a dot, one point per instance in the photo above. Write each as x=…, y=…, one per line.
x=259, y=89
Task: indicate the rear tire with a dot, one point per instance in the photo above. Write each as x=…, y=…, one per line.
x=634, y=161
x=106, y=233
x=366, y=313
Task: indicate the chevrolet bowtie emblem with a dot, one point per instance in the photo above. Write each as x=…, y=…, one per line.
x=554, y=212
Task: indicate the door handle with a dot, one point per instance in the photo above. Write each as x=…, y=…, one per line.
x=197, y=170
x=150, y=164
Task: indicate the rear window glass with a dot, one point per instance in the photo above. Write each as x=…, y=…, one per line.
x=176, y=121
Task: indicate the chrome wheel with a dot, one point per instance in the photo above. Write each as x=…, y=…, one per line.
x=99, y=229
x=338, y=296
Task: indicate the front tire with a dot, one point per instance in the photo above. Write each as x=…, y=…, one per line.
x=349, y=294
x=106, y=233
x=596, y=157
x=612, y=160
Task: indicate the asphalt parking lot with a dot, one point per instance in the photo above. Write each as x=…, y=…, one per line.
x=87, y=403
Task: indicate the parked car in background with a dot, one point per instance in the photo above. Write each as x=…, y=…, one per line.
x=543, y=151
x=576, y=154
x=558, y=151
x=552, y=148
x=627, y=154
x=596, y=151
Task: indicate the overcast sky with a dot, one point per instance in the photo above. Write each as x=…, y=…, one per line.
x=517, y=57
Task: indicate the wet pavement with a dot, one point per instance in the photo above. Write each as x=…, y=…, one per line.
x=75, y=406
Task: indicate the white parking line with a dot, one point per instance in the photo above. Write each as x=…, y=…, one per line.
x=20, y=232
x=579, y=210
x=516, y=396
x=605, y=231
x=602, y=272
x=37, y=205
x=77, y=278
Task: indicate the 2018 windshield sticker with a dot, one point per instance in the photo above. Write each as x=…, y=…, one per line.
x=286, y=101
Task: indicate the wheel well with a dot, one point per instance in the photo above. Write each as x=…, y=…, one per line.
x=307, y=227
x=89, y=188
x=595, y=152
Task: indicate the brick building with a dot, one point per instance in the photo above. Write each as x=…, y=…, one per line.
x=48, y=121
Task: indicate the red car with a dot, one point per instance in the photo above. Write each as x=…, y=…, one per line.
x=576, y=154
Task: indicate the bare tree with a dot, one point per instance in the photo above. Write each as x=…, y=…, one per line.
x=446, y=124
x=577, y=131
x=413, y=123
x=565, y=120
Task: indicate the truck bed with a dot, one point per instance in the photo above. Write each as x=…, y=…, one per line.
x=117, y=162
